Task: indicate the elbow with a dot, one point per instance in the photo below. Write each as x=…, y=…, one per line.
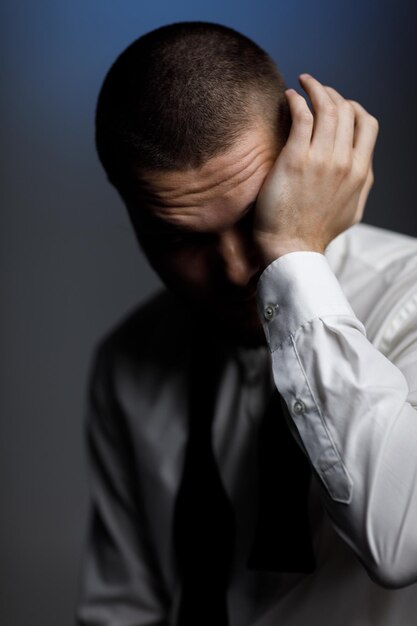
x=391, y=575
x=389, y=553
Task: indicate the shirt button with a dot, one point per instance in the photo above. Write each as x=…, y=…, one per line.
x=270, y=310
x=298, y=407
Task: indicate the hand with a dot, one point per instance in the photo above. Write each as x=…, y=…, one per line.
x=319, y=184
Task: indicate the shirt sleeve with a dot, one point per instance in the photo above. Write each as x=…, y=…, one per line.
x=119, y=582
x=352, y=410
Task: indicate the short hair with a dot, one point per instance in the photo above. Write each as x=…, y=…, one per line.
x=181, y=94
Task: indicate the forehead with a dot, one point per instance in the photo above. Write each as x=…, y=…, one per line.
x=210, y=196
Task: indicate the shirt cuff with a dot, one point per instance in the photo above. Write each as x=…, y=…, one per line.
x=293, y=290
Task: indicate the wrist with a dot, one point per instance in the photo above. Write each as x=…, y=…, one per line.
x=269, y=250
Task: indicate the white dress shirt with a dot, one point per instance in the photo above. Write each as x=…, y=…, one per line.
x=341, y=332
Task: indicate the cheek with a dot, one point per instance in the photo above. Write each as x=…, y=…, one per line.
x=187, y=270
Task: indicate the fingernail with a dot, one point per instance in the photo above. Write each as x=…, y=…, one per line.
x=305, y=75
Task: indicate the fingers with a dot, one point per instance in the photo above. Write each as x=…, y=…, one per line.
x=365, y=136
x=340, y=130
x=325, y=115
x=356, y=133
x=364, y=195
x=299, y=138
x=343, y=144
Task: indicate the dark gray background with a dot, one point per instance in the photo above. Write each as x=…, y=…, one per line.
x=70, y=266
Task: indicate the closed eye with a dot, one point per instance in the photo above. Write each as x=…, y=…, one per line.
x=173, y=239
x=173, y=236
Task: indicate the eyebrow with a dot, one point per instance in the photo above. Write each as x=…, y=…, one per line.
x=168, y=227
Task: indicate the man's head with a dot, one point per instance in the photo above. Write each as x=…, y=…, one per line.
x=189, y=121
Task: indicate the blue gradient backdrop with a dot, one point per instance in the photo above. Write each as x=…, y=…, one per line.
x=70, y=266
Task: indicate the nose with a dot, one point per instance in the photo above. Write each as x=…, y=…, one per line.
x=238, y=259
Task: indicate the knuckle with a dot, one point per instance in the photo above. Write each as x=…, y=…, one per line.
x=348, y=107
x=360, y=175
x=331, y=111
x=343, y=167
x=357, y=108
x=353, y=103
x=303, y=115
x=374, y=122
x=295, y=164
x=332, y=91
x=319, y=164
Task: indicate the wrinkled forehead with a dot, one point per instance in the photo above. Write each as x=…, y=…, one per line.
x=233, y=176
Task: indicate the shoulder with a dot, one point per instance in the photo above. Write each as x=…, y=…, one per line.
x=378, y=249
x=144, y=344
x=377, y=269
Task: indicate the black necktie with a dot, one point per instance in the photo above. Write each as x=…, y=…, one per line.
x=282, y=541
x=204, y=519
x=204, y=524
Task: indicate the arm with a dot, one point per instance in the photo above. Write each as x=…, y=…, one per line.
x=351, y=407
x=119, y=584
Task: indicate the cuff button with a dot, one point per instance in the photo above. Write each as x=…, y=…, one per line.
x=298, y=407
x=270, y=310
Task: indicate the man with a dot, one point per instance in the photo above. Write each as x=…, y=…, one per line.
x=248, y=206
